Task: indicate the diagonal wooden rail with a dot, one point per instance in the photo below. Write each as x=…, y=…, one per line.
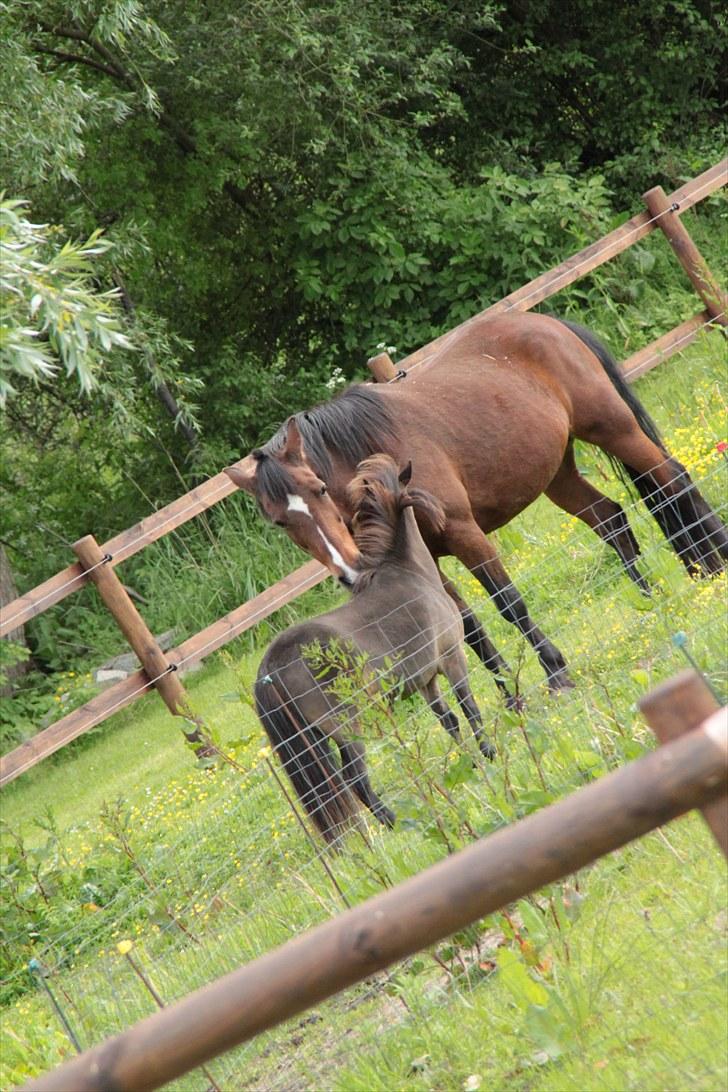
x=153, y=527
x=148, y=530
x=686, y=773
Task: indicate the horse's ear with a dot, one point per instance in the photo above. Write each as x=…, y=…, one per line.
x=293, y=447
x=405, y=474
x=243, y=473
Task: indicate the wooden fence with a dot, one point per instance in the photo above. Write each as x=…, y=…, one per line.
x=687, y=771
x=159, y=669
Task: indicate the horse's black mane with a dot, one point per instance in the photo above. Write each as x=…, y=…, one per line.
x=354, y=425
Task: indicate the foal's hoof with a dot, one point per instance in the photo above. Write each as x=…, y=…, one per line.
x=385, y=816
x=487, y=750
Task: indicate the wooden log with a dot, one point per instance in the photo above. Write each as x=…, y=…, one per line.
x=382, y=368
x=83, y=719
x=197, y=500
x=444, y=898
x=690, y=258
x=676, y=708
x=159, y=671
x=121, y=546
x=663, y=347
x=249, y=614
x=202, y=644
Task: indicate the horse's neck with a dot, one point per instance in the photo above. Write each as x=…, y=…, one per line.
x=409, y=547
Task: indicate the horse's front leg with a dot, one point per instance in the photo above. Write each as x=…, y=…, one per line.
x=455, y=669
x=441, y=709
x=476, y=637
x=470, y=545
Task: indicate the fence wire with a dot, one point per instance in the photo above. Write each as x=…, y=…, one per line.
x=622, y=965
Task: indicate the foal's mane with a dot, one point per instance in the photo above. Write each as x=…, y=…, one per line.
x=379, y=498
x=353, y=425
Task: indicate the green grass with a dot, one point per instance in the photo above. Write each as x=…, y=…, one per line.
x=613, y=980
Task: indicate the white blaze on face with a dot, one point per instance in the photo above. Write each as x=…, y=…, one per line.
x=298, y=504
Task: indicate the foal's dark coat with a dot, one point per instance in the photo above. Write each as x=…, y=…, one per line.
x=398, y=612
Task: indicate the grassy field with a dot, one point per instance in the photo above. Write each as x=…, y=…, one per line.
x=614, y=980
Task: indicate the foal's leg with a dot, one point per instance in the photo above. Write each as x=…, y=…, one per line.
x=441, y=709
x=467, y=542
x=476, y=637
x=354, y=773
x=455, y=669
x=579, y=497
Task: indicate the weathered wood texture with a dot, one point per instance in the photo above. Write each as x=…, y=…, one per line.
x=578, y=265
x=675, y=708
x=148, y=530
x=121, y=546
x=690, y=258
x=689, y=772
x=653, y=354
x=113, y=699
x=160, y=523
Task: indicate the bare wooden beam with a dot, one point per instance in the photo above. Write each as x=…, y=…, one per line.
x=159, y=671
x=581, y=263
x=382, y=368
x=544, y=847
x=690, y=258
x=116, y=697
x=657, y=351
x=676, y=708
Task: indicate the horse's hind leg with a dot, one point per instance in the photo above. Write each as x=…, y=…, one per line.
x=354, y=773
x=467, y=542
x=579, y=497
x=476, y=637
x=688, y=522
x=455, y=669
x=441, y=709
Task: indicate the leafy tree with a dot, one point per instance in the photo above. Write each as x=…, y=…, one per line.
x=51, y=311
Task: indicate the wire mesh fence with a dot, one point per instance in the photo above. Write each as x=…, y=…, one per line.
x=620, y=971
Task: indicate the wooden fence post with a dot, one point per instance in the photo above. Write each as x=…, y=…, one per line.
x=676, y=708
x=382, y=368
x=134, y=628
x=688, y=254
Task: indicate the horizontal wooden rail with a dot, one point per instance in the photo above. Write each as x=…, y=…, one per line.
x=687, y=773
x=119, y=695
x=151, y=528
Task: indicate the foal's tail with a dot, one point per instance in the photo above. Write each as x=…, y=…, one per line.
x=685, y=518
x=306, y=757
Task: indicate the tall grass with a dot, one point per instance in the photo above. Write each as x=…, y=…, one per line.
x=612, y=980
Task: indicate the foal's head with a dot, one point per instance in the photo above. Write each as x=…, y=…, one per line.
x=380, y=495
x=293, y=496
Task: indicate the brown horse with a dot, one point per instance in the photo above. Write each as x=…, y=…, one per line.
x=489, y=421
x=404, y=624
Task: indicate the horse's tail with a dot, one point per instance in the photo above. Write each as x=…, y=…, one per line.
x=306, y=757
x=685, y=518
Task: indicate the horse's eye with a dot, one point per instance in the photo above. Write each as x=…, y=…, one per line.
x=323, y=491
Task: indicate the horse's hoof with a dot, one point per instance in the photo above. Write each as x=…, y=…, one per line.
x=488, y=751
x=561, y=680
x=386, y=816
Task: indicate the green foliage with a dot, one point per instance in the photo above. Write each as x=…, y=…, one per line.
x=286, y=187
x=51, y=311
